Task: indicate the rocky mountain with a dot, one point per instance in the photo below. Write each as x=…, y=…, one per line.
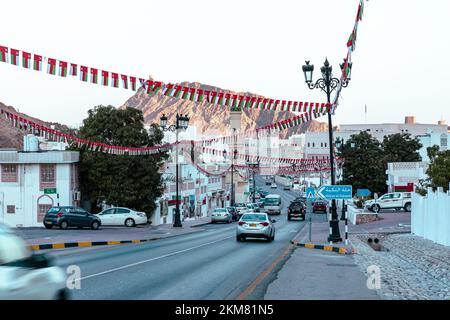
x=11, y=137
x=211, y=119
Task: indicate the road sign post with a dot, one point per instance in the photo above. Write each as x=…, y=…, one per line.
x=310, y=196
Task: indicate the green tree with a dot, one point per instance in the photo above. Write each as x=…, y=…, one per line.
x=124, y=180
x=439, y=168
x=401, y=147
x=363, y=163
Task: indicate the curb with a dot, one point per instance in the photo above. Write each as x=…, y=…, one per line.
x=339, y=250
x=83, y=244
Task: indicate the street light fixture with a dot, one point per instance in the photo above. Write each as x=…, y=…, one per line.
x=328, y=84
x=181, y=123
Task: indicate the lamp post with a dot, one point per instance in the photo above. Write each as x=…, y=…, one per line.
x=340, y=147
x=253, y=166
x=232, y=197
x=328, y=84
x=181, y=123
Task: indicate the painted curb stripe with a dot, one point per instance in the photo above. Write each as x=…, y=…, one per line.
x=329, y=248
x=86, y=244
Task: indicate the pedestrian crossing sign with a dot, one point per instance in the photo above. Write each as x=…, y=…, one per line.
x=310, y=193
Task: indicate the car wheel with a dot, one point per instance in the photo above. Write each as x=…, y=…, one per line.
x=376, y=208
x=269, y=239
x=289, y=218
x=48, y=226
x=273, y=237
x=130, y=223
x=408, y=207
x=63, y=225
x=314, y=211
x=95, y=225
x=238, y=239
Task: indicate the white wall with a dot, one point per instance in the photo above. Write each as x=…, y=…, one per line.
x=25, y=193
x=430, y=216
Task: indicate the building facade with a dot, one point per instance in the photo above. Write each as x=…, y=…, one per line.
x=33, y=182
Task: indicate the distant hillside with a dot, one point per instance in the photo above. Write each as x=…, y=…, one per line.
x=11, y=137
x=209, y=118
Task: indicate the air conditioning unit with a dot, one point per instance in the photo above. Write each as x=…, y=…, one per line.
x=76, y=196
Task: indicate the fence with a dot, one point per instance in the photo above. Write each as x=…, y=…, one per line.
x=430, y=216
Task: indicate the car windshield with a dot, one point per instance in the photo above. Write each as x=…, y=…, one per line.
x=272, y=201
x=254, y=217
x=53, y=210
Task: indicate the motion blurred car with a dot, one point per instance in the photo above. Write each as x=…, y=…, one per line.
x=273, y=186
x=27, y=276
x=221, y=215
x=255, y=225
x=122, y=217
x=320, y=206
x=70, y=216
x=297, y=209
x=232, y=210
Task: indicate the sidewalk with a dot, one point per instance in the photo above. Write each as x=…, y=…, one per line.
x=39, y=236
x=319, y=275
x=390, y=222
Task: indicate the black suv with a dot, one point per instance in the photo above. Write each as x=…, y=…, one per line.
x=69, y=216
x=297, y=209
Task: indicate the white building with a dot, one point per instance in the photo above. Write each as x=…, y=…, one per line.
x=32, y=182
x=404, y=176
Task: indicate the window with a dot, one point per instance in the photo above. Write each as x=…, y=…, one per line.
x=9, y=173
x=11, y=209
x=47, y=176
x=122, y=211
x=443, y=140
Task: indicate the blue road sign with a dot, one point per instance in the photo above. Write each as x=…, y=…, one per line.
x=310, y=193
x=363, y=192
x=335, y=192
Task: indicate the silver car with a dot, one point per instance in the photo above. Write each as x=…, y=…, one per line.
x=255, y=225
x=221, y=215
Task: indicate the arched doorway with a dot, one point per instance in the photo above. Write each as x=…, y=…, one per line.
x=44, y=203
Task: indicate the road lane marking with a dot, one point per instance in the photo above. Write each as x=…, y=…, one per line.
x=264, y=274
x=152, y=259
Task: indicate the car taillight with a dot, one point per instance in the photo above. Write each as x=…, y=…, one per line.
x=241, y=223
x=289, y=210
x=265, y=224
x=60, y=214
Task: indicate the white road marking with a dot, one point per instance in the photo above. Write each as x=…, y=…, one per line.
x=152, y=259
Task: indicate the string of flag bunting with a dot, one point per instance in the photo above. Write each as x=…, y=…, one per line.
x=117, y=80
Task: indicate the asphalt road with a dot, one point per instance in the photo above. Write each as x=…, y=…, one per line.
x=205, y=265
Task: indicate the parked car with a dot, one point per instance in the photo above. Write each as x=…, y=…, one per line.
x=25, y=275
x=273, y=186
x=232, y=210
x=320, y=206
x=255, y=225
x=221, y=215
x=70, y=216
x=393, y=200
x=122, y=217
x=287, y=187
x=297, y=209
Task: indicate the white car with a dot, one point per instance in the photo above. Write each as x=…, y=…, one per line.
x=393, y=200
x=273, y=186
x=27, y=276
x=122, y=217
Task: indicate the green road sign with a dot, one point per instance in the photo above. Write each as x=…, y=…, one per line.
x=50, y=191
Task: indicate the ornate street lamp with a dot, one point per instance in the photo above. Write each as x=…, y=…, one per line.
x=181, y=123
x=328, y=84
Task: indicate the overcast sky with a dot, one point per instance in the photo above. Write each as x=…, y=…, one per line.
x=400, y=65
